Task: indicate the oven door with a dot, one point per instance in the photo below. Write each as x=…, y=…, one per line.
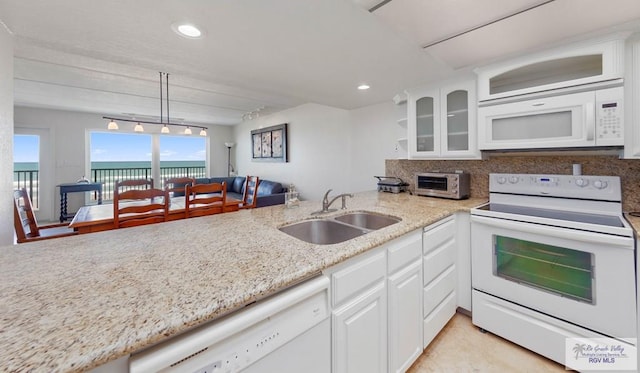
x=581, y=277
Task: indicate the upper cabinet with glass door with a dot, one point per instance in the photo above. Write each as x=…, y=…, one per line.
x=569, y=66
x=442, y=122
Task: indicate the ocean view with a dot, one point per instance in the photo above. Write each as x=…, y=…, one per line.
x=33, y=166
x=26, y=174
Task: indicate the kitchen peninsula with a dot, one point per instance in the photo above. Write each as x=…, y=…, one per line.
x=76, y=303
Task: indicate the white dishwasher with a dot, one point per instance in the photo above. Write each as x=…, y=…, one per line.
x=287, y=332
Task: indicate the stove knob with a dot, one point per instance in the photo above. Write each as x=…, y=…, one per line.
x=599, y=184
x=582, y=182
x=502, y=180
x=513, y=179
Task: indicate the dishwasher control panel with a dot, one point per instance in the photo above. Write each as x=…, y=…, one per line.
x=241, y=339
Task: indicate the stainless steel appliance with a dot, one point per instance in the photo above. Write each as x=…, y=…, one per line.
x=552, y=258
x=391, y=184
x=453, y=185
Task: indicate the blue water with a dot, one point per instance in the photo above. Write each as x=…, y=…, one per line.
x=32, y=166
x=104, y=165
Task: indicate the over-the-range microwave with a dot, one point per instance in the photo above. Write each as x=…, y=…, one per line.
x=583, y=119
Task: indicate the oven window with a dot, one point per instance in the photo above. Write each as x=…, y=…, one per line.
x=433, y=183
x=555, y=269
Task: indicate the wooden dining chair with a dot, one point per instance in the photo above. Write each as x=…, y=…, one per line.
x=175, y=185
x=135, y=207
x=205, y=199
x=26, y=225
x=122, y=185
x=250, y=196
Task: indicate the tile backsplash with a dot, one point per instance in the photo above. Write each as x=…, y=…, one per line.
x=610, y=165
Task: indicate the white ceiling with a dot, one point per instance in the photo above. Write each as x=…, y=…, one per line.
x=104, y=56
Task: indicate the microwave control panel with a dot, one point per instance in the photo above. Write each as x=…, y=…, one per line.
x=609, y=117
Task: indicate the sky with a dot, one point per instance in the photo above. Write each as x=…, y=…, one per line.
x=122, y=147
x=110, y=147
x=25, y=148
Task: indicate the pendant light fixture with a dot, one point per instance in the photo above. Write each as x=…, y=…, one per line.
x=113, y=125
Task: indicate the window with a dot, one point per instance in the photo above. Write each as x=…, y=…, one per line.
x=26, y=165
x=119, y=156
x=182, y=156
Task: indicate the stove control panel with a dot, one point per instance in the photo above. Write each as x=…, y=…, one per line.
x=607, y=188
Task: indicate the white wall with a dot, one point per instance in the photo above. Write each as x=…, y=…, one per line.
x=64, y=135
x=319, y=150
x=6, y=137
x=374, y=131
x=329, y=148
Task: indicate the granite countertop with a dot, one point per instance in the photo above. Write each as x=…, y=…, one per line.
x=74, y=303
x=634, y=221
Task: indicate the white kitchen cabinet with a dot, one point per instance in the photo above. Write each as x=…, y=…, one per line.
x=463, y=261
x=391, y=301
x=566, y=66
x=400, y=100
x=405, y=301
x=439, y=277
x=360, y=333
x=441, y=122
x=405, y=317
x=359, y=317
x=632, y=99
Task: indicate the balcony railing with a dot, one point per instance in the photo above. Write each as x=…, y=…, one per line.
x=108, y=176
x=27, y=179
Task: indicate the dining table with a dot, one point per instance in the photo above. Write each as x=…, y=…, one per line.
x=97, y=218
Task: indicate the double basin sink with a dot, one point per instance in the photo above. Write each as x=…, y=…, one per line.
x=338, y=229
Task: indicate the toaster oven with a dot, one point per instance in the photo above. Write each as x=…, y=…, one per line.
x=453, y=185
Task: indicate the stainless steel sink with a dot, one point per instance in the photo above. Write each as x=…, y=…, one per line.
x=322, y=232
x=338, y=229
x=367, y=220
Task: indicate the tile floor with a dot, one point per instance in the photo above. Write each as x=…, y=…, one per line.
x=461, y=347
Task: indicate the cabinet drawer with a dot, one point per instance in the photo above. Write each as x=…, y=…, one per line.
x=438, y=289
x=404, y=251
x=436, y=261
x=437, y=236
x=439, y=318
x=348, y=282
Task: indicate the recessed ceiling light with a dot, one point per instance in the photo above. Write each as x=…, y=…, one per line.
x=187, y=30
x=363, y=87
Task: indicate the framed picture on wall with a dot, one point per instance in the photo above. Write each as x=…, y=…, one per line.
x=257, y=145
x=270, y=144
x=266, y=144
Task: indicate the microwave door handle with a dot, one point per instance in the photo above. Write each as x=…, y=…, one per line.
x=590, y=120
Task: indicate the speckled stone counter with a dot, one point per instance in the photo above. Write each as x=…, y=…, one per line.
x=634, y=221
x=75, y=303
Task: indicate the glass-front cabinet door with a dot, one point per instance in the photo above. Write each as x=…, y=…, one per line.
x=442, y=122
x=459, y=117
x=423, y=123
